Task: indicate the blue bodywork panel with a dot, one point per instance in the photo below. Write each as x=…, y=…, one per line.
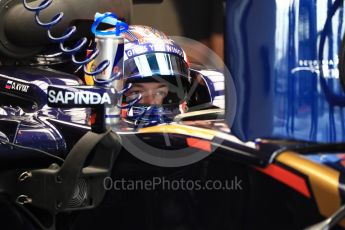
x=276, y=57
x=27, y=120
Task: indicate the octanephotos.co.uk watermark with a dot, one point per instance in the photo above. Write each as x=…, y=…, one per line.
x=161, y=183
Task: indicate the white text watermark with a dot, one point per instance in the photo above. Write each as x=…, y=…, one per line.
x=161, y=183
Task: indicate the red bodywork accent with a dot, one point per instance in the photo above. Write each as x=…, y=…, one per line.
x=93, y=118
x=286, y=177
x=199, y=144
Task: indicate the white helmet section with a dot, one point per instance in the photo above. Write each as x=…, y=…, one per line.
x=144, y=39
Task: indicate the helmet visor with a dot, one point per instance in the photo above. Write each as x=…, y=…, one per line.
x=152, y=64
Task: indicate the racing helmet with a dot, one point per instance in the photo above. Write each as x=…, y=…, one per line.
x=156, y=73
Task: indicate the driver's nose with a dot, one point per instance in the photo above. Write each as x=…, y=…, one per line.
x=148, y=98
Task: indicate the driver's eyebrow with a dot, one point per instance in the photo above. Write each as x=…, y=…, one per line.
x=162, y=86
x=137, y=86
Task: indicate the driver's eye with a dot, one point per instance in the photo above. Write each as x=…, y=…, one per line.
x=161, y=93
x=133, y=94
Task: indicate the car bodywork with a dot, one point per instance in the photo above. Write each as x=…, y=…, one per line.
x=263, y=166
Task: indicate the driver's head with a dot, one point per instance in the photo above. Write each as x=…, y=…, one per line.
x=158, y=99
x=157, y=69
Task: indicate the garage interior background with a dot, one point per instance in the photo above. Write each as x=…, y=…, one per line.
x=201, y=20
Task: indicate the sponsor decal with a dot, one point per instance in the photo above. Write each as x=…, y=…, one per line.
x=140, y=49
x=12, y=85
x=78, y=98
